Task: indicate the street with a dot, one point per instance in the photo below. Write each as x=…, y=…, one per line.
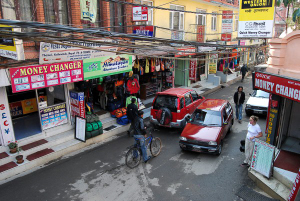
x=100, y=173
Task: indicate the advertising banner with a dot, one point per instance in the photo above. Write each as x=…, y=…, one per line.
x=53, y=53
x=212, y=66
x=201, y=33
x=271, y=125
x=80, y=124
x=88, y=10
x=6, y=129
x=256, y=18
x=227, y=18
x=262, y=157
x=77, y=104
x=294, y=195
x=10, y=47
x=144, y=31
x=16, y=109
x=105, y=66
x=277, y=85
x=139, y=13
x=185, y=51
x=193, y=69
x=54, y=116
x=41, y=76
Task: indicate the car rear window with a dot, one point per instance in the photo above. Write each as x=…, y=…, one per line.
x=206, y=117
x=169, y=102
x=261, y=94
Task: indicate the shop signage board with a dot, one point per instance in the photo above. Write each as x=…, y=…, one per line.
x=41, y=76
x=6, y=129
x=80, y=124
x=139, y=13
x=243, y=42
x=295, y=195
x=16, y=109
x=54, y=116
x=77, y=104
x=262, y=157
x=284, y=87
x=4, y=78
x=10, y=47
x=53, y=53
x=105, y=66
x=193, y=69
x=272, y=118
x=256, y=18
x=227, y=18
x=144, y=31
x=88, y=10
x=201, y=33
x=212, y=66
x=185, y=51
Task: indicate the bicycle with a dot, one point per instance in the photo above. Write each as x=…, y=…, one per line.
x=134, y=154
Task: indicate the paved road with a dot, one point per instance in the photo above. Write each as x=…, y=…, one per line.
x=99, y=173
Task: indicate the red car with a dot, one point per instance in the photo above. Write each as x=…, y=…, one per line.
x=208, y=126
x=173, y=107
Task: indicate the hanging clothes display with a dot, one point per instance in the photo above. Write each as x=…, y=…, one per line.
x=162, y=65
x=157, y=64
x=133, y=86
x=152, y=65
x=147, y=66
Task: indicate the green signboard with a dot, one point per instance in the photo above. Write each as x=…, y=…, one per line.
x=105, y=66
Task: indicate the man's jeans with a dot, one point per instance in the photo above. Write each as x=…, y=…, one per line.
x=238, y=111
x=141, y=139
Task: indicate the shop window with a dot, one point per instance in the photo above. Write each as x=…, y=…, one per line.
x=188, y=99
x=51, y=96
x=150, y=12
x=177, y=18
x=51, y=7
x=117, y=15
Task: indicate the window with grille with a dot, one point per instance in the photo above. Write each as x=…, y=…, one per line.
x=177, y=18
x=56, y=11
x=117, y=15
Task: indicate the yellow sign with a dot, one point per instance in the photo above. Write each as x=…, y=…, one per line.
x=256, y=18
x=212, y=68
x=29, y=106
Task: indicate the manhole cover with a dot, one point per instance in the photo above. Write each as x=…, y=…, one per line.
x=110, y=128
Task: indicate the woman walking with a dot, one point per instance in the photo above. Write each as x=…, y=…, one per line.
x=254, y=131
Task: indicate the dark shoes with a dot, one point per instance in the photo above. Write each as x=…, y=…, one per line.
x=147, y=159
x=246, y=164
x=240, y=121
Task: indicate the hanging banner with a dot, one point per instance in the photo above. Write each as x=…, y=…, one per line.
x=77, y=104
x=41, y=76
x=278, y=85
x=88, y=10
x=105, y=66
x=212, y=66
x=54, y=116
x=10, y=47
x=227, y=16
x=256, y=18
x=144, y=31
x=6, y=129
x=53, y=53
x=271, y=125
x=139, y=13
x=193, y=69
x=201, y=33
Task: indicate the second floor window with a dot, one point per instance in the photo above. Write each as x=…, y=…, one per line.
x=117, y=15
x=17, y=10
x=56, y=11
x=201, y=17
x=214, y=21
x=177, y=18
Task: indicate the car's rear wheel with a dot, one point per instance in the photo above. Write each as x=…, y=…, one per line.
x=220, y=148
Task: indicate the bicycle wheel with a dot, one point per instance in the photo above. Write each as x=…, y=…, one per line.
x=155, y=146
x=133, y=157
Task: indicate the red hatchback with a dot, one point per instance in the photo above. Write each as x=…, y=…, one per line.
x=208, y=126
x=173, y=107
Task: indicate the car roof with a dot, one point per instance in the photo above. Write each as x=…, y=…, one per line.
x=179, y=92
x=212, y=104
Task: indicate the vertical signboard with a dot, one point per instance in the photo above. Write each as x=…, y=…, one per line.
x=256, y=18
x=77, y=104
x=139, y=13
x=80, y=124
x=201, y=33
x=272, y=118
x=193, y=69
x=88, y=10
x=212, y=66
x=6, y=129
x=227, y=16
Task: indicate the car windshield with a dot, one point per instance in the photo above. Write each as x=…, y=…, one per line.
x=169, y=102
x=261, y=94
x=206, y=117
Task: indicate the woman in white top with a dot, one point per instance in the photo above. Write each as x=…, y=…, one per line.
x=254, y=131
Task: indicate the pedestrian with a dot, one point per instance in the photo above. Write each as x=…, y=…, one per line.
x=254, y=131
x=140, y=133
x=244, y=70
x=132, y=112
x=239, y=98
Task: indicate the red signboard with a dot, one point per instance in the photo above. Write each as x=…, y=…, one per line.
x=139, y=13
x=144, y=30
x=41, y=76
x=200, y=33
x=226, y=37
x=277, y=85
x=185, y=51
x=295, y=190
x=193, y=69
x=227, y=16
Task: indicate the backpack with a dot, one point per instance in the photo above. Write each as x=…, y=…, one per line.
x=123, y=120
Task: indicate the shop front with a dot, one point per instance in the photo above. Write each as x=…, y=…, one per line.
x=38, y=99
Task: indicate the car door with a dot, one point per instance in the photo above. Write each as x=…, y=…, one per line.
x=188, y=103
x=196, y=100
x=182, y=110
x=225, y=122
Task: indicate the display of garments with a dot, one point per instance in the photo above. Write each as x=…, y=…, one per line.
x=133, y=86
x=157, y=65
x=162, y=65
x=152, y=65
x=136, y=64
x=147, y=66
x=102, y=100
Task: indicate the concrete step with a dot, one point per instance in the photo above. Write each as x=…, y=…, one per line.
x=285, y=177
x=60, y=150
x=104, y=116
x=271, y=186
x=108, y=121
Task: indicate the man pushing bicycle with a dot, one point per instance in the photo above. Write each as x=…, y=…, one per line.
x=140, y=133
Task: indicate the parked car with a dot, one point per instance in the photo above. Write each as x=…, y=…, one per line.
x=173, y=107
x=208, y=126
x=258, y=103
